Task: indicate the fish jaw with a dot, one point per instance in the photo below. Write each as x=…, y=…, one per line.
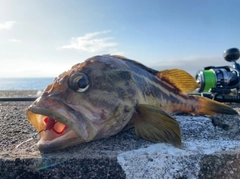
x=75, y=127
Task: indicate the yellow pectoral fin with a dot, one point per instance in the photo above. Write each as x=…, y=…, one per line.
x=179, y=78
x=155, y=125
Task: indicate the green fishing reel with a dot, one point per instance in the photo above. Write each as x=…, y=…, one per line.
x=220, y=80
x=217, y=79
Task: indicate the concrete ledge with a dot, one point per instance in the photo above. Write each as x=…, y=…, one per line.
x=209, y=151
x=198, y=159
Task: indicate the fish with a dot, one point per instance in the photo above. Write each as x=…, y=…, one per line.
x=107, y=94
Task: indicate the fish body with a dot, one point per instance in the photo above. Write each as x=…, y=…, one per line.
x=107, y=94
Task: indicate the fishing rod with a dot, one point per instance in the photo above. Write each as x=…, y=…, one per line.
x=18, y=98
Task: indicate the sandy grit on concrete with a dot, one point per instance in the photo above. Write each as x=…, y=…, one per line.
x=209, y=151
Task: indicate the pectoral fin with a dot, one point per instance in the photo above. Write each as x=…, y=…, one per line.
x=153, y=124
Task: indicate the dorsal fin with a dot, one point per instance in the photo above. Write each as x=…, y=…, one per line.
x=180, y=79
x=120, y=56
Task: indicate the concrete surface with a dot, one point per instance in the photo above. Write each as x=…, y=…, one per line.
x=210, y=150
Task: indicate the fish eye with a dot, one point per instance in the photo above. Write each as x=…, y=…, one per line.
x=79, y=82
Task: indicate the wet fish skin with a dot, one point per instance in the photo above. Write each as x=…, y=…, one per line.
x=116, y=94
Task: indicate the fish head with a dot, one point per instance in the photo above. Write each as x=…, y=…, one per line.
x=94, y=99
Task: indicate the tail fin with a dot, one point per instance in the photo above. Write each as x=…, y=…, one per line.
x=209, y=107
x=184, y=83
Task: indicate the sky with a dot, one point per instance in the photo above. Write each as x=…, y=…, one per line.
x=43, y=38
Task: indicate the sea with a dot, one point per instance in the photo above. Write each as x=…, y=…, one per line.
x=24, y=83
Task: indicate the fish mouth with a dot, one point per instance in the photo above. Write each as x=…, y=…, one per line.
x=59, y=126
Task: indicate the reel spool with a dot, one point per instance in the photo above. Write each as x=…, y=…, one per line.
x=206, y=80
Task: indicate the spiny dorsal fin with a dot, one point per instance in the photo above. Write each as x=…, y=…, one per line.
x=155, y=125
x=180, y=79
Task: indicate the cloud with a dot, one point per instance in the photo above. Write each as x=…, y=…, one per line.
x=7, y=25
x=91, y=42
x=14, y=40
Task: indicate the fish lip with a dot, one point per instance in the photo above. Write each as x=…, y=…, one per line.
x=57, y=109
x=49, y=113
x=49, y=107
x=56, y=143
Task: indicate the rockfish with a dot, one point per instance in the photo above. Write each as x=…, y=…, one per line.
x=107, y=94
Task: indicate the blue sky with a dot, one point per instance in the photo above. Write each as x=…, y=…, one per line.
x=44, y=38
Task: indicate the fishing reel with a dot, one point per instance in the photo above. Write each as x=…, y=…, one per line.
x=221, y=83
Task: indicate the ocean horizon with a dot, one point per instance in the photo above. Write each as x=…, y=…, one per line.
x=25, y=83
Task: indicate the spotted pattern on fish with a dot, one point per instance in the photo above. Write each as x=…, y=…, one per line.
x=150, y=86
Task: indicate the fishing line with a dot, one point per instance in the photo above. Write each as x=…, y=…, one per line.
x=50, y=125
x=211, y=79
x=30, y=147
x=34, y=136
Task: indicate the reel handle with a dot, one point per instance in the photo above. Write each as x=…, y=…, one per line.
x=231, y=54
